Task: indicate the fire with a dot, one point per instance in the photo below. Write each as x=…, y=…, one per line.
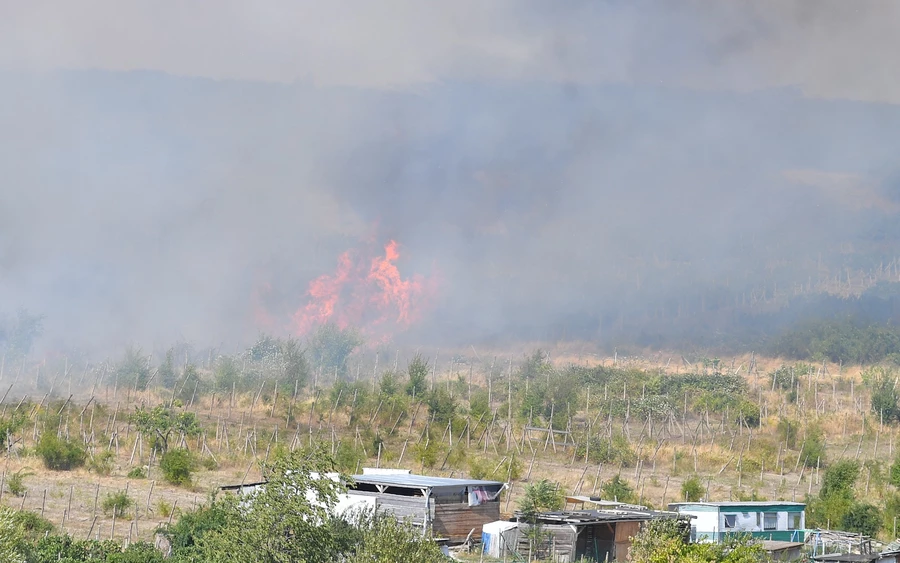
x=368, y=294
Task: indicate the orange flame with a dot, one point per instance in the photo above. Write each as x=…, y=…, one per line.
x=365, y=294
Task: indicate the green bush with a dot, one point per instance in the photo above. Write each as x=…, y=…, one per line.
x=619, y=490
x=58, y=453
x=16, y=482
x=863, y=518
x=115, y=504
x=33, y=524
x=102, y=463
x=812, y=451
x=137, y=473
x=692, y=489
x=176, y=466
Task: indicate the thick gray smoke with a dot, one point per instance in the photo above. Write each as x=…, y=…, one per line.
x=566, y=168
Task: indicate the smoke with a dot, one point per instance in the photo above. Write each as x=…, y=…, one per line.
x=570, y=170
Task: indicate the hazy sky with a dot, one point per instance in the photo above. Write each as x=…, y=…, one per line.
x=550, y=164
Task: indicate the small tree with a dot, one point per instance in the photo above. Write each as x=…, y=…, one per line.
x=540, y=496
x=331, y=346
x=161, y=423
x=418, y=377
x=692, y=489
x=619, y=490
x=115, y=504
x=176, y=466
x=863, y=518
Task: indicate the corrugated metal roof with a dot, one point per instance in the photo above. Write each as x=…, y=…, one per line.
x=422, y=481
x=592, y=516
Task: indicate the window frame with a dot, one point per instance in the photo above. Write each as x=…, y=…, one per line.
x=725, y=518
x=765, y=517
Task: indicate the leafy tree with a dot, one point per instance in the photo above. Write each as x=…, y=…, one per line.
x=283, y=521
x=117, y=503
x=133, y=369
x=160, y=423
x=885, y=395
x=166, y=372
x=836, y=495
x=787, y=432
x=619, y=490
x=692, y=489
x=441, y=406
x=862, y=518
x=812, y=451
x=417, y=370
x=331, y=346
x=540, y=496
x=388, y=385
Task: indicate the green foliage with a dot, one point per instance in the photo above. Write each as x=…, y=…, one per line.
x=841, y=340
x=137, y=473
x=16, y=481
x=862, y=518
x=540, y=496
x=885, y=395
x=535, y=366
x=53, y=549
x=9, y=425
x=102, y=463
x=33, y=524
x=331, y=346
x=348, y=457
x=667, y=540
x=185, y=534
x=133, y=370
x=161, y=422
x=388, y=385
x=227, y=375
x=115, y=504
x=384, y=539
x=12, y=537
x=812, y=451
x=441, y=406
x=479, y=409
x=619, y=490
x=840, y=479
x=177, y=466
x=417, y=370
x=895, y=473
x=58, y=453
x=836, y=496
x=281, y=521
x=616, y=449
x=788, y=431
x=692, y=489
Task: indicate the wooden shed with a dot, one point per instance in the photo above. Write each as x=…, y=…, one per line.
x=591, y=535
x=452, y=508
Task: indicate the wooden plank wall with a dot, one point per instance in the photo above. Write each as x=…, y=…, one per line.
x=455, y=521
x=402, y=507
x=624, y=532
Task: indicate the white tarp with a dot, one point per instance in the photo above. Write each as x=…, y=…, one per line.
x=492, y=537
